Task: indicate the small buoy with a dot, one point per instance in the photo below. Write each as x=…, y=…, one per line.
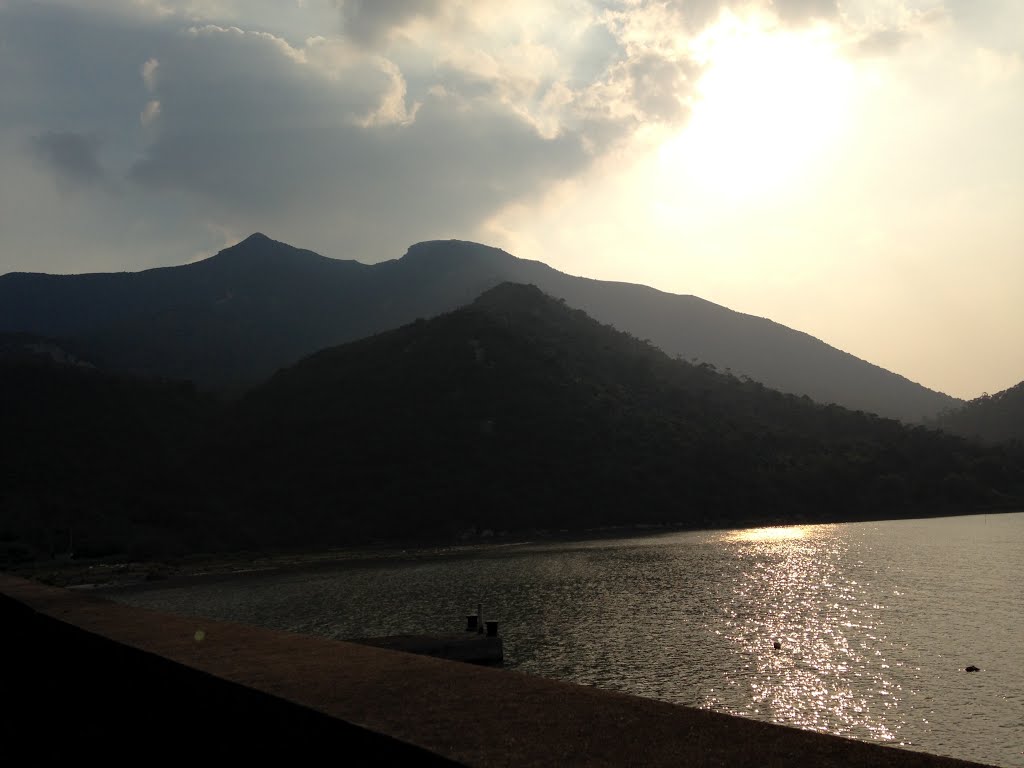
x=971, y=668
x=776, y=645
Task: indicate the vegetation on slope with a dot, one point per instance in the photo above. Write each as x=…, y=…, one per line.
x=94, y=463
x=514, y=413
x=518, y=412
x=989, y=418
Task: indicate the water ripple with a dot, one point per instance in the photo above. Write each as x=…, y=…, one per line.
x=875, y=622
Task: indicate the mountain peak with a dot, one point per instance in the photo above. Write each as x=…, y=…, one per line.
x=454, y=252
x=513, y=296
x=258, y=250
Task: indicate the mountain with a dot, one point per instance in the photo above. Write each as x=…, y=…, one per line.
x=989, y=418
x=28, y=348
x=233, y=319
x=228, y=320
x=93, y=462
x=518, y=412
x=513, y=413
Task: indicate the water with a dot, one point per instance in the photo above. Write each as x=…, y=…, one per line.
x=875, y=621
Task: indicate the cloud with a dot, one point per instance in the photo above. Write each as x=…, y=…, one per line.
x=369, y=21
x=73, y=157
x=150, y=112
x=148, y=71
x=660, y=85
x=406, y=121
x=284, y=134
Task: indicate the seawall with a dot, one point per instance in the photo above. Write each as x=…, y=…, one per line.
x=83, y=675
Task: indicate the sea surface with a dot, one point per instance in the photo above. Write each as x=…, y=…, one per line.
x=875, y=622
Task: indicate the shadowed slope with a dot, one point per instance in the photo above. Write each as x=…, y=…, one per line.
x=518, y=412
x=991, y=418
x=514, y=413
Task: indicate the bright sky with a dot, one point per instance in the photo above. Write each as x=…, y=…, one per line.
x=854, y=170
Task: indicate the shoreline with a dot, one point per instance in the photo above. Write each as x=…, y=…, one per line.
x=111, y=576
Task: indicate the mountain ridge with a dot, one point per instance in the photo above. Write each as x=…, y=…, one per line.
x=234, y=318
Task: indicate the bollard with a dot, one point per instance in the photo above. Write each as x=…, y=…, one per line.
x=471, y=622
x=492, y=629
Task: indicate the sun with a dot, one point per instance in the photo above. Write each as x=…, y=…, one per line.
x=769, y=105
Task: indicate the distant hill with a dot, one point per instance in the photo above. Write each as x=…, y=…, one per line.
x=514, y=413
x=233, y=319
x=990, y=418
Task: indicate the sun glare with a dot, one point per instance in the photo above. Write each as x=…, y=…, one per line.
x=777, y=533
x=768, y=105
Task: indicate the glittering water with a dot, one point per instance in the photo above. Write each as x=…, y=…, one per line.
x=875, y=622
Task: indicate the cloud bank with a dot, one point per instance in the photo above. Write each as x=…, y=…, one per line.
x=350, y=126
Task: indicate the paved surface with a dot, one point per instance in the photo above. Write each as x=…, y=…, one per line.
x=465, y=646
x=473, y=715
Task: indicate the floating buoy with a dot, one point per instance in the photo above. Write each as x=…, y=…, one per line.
x=971, y=668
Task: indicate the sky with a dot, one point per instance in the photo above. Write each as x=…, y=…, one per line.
x=854, y=170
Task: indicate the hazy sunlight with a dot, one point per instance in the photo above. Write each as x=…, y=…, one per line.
x=769, y=104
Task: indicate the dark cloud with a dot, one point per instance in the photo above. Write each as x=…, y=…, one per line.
x=272, y=136
x=74, y=157
x=317, y=144
x=326, y=142
x=368, y=21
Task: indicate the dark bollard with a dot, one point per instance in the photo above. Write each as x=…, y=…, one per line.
x=471, y=622
x=492, y=628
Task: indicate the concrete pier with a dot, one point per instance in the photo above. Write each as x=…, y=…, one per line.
x=85, y=676
x=467, y=647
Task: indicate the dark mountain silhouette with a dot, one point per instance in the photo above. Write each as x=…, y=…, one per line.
x=233, y=319
x=989, y=418
x=30, y=348
x=94, y=463
x=518, y=412
x=514, y=413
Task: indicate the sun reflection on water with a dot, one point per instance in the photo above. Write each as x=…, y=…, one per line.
x=804, y=642
x=875, y=621
x=774, y=533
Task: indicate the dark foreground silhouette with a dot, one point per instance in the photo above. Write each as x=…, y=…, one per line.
x=72, y=694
